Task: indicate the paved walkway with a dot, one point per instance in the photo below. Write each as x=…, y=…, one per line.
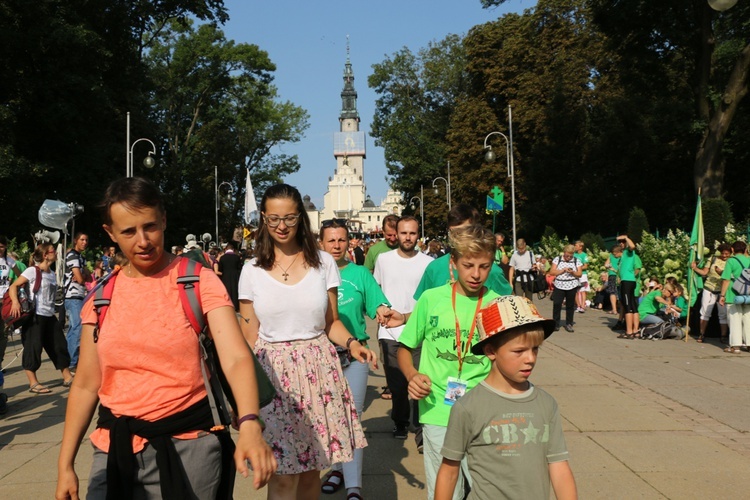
x=643, y=419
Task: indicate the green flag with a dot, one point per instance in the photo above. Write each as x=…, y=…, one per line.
x=697, y=240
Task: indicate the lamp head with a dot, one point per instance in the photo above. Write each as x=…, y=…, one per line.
x=435, y=190
x=149, y=161
x=722, y=5
x=490, y=155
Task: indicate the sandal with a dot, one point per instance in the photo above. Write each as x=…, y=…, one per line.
x=732, y=350
x=333, y=481
x=38, y=388
x=700, y=339
x=386, y=394
x=68, y=383
x=628, y=336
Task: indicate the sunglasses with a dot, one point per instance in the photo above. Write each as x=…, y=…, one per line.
x=333, y=223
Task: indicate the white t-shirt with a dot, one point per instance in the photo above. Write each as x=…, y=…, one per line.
x=45, y=298
x=521, y=262
x=399, y=277
x=290, y=312
x=6, y=266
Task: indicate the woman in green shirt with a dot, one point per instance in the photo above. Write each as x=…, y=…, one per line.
x=359, y=294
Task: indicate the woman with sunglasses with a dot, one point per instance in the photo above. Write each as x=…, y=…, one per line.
x=41, y=330
x=359, y=295
x=289, y=303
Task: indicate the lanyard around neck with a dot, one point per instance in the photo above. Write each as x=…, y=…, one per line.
x=459, y=354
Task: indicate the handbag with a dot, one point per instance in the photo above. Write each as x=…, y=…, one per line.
x=27, y=305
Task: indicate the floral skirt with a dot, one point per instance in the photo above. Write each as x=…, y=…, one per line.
x=312, y=422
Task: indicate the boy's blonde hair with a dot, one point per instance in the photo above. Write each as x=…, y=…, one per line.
x=532, y=332
x=471, y=240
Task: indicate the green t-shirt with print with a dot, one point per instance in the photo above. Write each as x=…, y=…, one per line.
x=649, y=304
x=627, y=265
x=732, y=270
x=359, y=294
x=432, y=325
x=438, y=273
x=584, y=258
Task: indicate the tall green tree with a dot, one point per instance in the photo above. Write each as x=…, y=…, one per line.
x=218, y=108
x=417, y=94
x=690, y=43
x=69, y=71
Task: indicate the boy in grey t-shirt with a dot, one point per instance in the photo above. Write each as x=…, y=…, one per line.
x=509, y=430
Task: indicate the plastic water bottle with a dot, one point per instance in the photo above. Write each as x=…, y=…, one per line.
x=742, y=299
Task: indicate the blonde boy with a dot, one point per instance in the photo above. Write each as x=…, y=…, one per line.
x=509, y=430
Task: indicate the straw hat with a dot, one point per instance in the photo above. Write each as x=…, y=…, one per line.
x=503, y=315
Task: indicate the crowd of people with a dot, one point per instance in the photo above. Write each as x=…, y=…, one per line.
x=458, y=336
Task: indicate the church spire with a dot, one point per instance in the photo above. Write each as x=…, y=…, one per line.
x=348, y=95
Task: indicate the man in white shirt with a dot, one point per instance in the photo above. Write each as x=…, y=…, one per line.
x=398, y=274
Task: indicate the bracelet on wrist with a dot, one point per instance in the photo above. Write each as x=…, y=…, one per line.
x=251, y=416
x=349, y=342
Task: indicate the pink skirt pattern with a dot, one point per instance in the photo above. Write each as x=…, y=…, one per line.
x=312, y=422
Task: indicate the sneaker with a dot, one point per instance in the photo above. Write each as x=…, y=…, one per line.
x=581, y=310
x=557, y=328
x=400, y=432
x=569, y=328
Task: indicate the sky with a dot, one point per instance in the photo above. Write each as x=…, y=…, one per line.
x=306, y=40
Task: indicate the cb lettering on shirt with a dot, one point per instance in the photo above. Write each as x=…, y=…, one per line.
x=507, y=433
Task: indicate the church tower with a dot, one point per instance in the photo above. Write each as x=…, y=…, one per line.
x=346, y=188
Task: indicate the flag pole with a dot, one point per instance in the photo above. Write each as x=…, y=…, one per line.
x=691, y=284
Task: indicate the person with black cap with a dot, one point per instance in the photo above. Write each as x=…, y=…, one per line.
x=509, y=429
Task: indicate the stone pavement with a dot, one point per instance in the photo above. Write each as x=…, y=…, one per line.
x=642, y=419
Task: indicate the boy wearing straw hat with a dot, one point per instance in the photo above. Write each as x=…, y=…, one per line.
x=509, y=430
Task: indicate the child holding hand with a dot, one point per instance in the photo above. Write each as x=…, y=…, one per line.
x=508, y=429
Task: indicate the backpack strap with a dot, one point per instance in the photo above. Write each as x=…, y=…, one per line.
x=189, y=282
x=38, y=282
x=102, y=297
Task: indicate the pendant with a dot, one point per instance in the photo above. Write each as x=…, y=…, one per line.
x=285, y=275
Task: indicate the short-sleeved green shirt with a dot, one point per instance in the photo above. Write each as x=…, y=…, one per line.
x=627, y=265
x=584, y=258
x=615, y=263
x=359, y=294
x=438, y=274
x=432, y=325
x=372, y=254
x=649, y=304
x=638, y=281
x=732, y=270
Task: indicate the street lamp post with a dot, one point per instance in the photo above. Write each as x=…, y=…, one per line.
x=421, y=206
x=217, y=188
x=490, y=157
x=447, y=185
x=148, y=162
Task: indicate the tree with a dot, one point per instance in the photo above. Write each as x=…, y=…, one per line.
x=417, y=96
x=687, y=41
x=69, y=71
x=218, y=107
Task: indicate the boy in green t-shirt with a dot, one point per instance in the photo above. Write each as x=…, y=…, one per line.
x=509, y=430
x=443, y=324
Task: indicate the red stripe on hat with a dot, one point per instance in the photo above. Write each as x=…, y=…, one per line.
x=492, y=321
